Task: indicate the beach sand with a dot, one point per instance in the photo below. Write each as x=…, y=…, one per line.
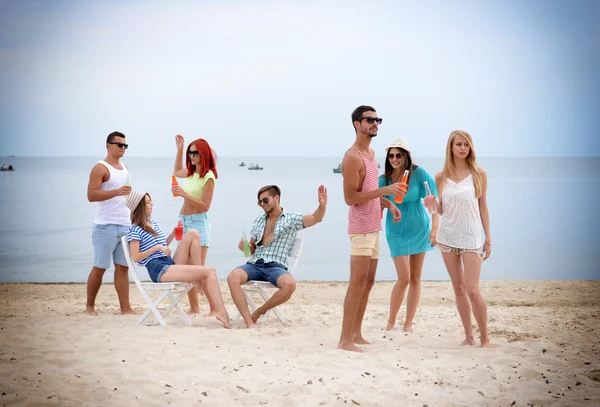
x=544, y=337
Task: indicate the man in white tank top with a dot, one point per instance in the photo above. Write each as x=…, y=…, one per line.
x=109, y=185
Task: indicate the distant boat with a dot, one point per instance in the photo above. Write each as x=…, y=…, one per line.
x=255, y=167
x=5, y=168
x=338, y=170
x=242, y=164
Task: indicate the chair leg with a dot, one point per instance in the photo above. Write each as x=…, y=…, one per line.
x=251, y=303
x=154, y=310
x=175, y=304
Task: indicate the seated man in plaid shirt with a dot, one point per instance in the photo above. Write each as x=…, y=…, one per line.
x=271, y=239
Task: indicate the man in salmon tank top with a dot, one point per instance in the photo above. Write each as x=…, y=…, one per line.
x=365, y=199
x=109, y=184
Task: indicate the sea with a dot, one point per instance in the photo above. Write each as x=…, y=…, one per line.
x=542, y=213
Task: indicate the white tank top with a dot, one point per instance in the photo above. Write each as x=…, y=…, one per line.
x=113, y=211
x=460, y=224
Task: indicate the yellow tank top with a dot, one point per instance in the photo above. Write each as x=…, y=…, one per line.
x=194, y=185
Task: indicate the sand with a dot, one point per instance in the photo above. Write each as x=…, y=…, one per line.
x=544, y=337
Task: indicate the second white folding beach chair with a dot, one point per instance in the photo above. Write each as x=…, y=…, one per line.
x=257, y=287
x=167, y=290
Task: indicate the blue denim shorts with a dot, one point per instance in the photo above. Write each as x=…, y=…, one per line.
x=200, y=222
x=157, y=267
x=261, y=271
x=106, y=240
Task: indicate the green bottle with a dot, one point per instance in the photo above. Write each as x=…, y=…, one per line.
x=127, y=181
x=247, y=252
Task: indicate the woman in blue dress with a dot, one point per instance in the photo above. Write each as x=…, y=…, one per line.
x=414, y=235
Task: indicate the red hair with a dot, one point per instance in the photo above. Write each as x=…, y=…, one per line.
x=208, y=160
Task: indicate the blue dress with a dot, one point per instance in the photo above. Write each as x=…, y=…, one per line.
x=411, y=234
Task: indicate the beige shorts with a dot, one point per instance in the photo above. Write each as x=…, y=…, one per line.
x=365, y=244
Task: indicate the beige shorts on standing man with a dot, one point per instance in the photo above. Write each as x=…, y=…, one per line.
x=365, y=244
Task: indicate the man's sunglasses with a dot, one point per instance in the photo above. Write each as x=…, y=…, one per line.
x=121, y=145
x=193, y=153
x=372, y=120
x=397, y=155
x=265, y=200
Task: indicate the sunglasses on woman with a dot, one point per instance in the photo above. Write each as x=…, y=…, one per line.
x=193, y=153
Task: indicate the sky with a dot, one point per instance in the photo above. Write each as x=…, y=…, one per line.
x=281, y=78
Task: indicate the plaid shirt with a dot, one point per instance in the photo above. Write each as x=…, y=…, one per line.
x=286, y=228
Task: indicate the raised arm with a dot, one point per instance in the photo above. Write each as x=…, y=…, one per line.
x=318, y=215
x=351, y=167
x=98, y=175
x=179, y=170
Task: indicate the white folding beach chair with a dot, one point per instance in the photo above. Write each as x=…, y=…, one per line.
x=166, y=289
x=257, y=287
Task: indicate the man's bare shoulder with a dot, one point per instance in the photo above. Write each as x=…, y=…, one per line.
x=99, y=170
x=351, y=156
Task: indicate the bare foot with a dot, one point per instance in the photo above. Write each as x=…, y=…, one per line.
x=350, y=347
x=223, y=316
x=468, y=341
x=128, y=311
x=89, y=309
x=212, y=313
x=485, y=343
x=390, y=326
x=194, y=311
x=361, y=341
x=251, y=325
x=407, y=328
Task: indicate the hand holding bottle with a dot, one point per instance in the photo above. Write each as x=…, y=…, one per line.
x=124, y=190
x=245, y=246
x=175, y=188
x=430, y=200
x=399, y=198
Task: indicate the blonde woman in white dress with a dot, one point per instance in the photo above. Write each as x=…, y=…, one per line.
x=465, y=220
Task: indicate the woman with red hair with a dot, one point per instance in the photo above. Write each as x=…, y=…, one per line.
x=200, y=172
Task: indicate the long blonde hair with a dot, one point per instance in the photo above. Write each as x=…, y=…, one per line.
x=449, y=170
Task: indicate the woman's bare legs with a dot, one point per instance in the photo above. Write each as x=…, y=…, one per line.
x=472, y=263
x=213, y=311
x=414, y=289
x=455, y=271
x=195, y=274
x=403, y=271
x=179, y=258
x=190, y=252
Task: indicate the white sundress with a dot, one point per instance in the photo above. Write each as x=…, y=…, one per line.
x=460, y=225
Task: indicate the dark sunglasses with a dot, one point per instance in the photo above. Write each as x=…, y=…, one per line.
x=121, y=145
x=193, y=153
x=372, y=120
x=397, y=155
x=265, y=200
